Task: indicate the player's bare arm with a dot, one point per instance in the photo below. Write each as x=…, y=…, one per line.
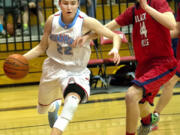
x=112, y=25
x=176, y=32
x=95, y=26
x=166, y=19
x=42, y=46
x=92, y=35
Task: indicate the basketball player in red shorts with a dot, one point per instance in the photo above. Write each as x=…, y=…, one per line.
x=167, y=90
x=152, y=21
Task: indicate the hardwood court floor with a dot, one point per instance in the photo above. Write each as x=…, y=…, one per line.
x=104, y=114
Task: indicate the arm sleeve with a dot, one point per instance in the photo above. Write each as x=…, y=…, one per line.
x=126, y=17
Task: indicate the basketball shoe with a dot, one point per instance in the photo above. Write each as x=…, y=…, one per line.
x=145, y=129
x=52, y=116
x=154, y=127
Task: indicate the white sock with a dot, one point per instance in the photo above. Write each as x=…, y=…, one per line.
x=61, y=123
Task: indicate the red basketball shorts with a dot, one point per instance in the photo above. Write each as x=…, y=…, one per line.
x=151, y=75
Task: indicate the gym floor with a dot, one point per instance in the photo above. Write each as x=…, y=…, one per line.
x=104, y=114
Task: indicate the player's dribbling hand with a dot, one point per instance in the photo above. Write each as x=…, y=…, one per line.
x=114, y=52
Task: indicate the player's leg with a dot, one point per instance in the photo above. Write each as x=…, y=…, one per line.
x=148, y=119
x=133, y=109
x=164, y=99
x=166, y=95
x=50, y=95
x=167, y=92
x=73, y=94
x=53, y=112
x=133, y=96
x=75, y=89
x=154, y=76
x=144, y=109
x=70, y=105
x=49, y=100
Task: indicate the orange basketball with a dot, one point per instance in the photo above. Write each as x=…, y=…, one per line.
x=16, y=66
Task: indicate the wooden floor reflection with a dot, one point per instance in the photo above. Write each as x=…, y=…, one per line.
x=104, y=114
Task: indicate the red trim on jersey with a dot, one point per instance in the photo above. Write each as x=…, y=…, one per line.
x=87, y=78
x=80, y=17
x=57, y=14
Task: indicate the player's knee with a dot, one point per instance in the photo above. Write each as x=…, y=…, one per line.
x=168, y=86
x=70, y=106
x=131, y=96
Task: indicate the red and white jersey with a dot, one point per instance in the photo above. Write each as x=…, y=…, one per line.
x=61, y=38
x=150, y=38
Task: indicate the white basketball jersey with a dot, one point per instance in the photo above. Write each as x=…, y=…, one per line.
x=61, y=38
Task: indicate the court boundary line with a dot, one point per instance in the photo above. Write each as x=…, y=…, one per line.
x=89, y=102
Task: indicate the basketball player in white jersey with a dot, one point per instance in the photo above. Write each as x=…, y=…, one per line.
x=65, y=68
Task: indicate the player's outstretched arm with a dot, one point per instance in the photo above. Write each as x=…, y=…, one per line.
x=112, y=25
x=91, y=35
x=41, y=48
x=95, y=26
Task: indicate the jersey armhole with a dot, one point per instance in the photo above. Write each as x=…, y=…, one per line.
x=133, y=14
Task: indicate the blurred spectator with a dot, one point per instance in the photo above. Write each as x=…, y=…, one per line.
x=35, y=9
x=90, y=6
x=56, y=3
x=112, y=1
x=2, y=31
x=8, y=7
x=22, y=5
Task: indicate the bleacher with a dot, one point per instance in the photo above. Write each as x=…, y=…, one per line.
x=106, y=10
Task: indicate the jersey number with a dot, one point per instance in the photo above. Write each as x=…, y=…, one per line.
x=143, y=30
x=64, y=50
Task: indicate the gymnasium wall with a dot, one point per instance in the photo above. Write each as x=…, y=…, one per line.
x=106, y=10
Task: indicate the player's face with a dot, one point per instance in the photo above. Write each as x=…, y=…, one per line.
x=69, y=8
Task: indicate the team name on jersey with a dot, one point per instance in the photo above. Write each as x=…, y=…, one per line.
x=62, y=38
x=140, y=18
